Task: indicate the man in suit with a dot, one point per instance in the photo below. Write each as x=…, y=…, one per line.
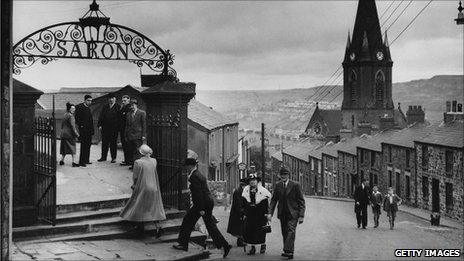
x=108, y=125
x=136, y=130
x=362, y=197
x=203, y=205
x=125, y=108
x=84, y=122
x=290, y=210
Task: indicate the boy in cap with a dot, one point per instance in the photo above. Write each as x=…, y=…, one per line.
x=203, y=205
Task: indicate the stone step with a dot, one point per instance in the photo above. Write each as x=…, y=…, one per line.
x=85, y=227
x=104, y=213
x=110, y=203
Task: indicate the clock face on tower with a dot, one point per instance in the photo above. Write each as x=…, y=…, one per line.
x=352, y=56
x=380, y=56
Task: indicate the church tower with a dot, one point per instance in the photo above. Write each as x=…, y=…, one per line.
x=367, y=72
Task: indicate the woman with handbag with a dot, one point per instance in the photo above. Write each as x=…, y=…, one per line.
x=256, y=214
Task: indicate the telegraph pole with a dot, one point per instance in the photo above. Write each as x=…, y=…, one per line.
x=263, y=159
x=460, y=21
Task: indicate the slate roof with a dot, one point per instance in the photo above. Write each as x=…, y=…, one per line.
x=46, y=100
x=88, y=89
x=206, y=116
x=277, y=155
x=450, y=135
x=333, y=119
x=407, y=136
x=301, y=150
x=20, y=87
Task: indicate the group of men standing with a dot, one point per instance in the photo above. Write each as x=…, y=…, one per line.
x=125, y=120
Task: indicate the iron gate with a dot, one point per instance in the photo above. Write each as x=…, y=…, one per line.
x=45, y=168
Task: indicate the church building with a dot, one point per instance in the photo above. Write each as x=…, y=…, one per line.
x=367, y=81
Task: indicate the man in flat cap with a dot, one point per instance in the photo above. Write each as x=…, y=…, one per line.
x=290, y=210
x=203, y=205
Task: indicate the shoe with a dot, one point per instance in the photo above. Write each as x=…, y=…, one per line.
x=287, y=255
x=359, y=226
x=75, y=164
x=252, y=251
x=61, y=162
x=113, y=161
x=180, y=247
x=123, y=163
x=100, y=160
x=364, y=227
x=83, y=165
x=88, y=163
x=226, y=250
x=263, y=249
x=159, y=232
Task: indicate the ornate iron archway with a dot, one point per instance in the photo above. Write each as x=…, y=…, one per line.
x=92, y=37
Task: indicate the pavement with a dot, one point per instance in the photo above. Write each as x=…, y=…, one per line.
x=117, y=249
x=417, y=212
x=97, y=182
x=330, y=232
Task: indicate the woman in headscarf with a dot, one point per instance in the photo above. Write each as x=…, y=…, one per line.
x=145, y=204
x=256, y=211
x=69, y=134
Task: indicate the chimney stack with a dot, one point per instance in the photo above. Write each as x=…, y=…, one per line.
x=415, y=114
x=455, y=114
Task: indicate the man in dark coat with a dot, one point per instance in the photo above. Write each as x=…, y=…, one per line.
x=125, y=108
x=290, y=210
x=203, y=205
x=108, y=125
x=84, y=122
x=361, y=198
x=235, y=225
x=136, y=129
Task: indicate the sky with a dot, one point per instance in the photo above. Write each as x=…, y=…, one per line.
x=243, y=45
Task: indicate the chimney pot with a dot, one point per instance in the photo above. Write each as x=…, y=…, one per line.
x=448, y=106
x=459, y=107
x=453, y=108
x=410, y=108
x=420, y=107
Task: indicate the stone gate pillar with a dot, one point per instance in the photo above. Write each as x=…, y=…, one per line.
x=166, y=105
x=24, y=99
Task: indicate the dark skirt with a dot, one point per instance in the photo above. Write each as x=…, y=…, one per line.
x=68, y=146
x=254, y=221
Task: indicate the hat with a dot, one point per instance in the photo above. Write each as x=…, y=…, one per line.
x=284, y=171
x=244, y=180
x=253, y=176
x=192, y=158
x=145, y=150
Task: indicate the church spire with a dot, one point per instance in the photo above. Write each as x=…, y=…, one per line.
x=367, y=25
x=348, y=41
x=385, y=42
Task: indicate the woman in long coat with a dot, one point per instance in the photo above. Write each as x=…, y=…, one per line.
x=236, y=214
x=256, y=210
x=145, y=204
x=69, y=134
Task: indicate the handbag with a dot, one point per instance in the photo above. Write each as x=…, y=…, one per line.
x=266, y=228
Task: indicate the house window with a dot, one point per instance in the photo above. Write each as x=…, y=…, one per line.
x=425, y=156
x=390, y=178
x=343, y=159
x=425, y=188
x=449, y=195
x=372, y=158
x=389, y=153
x=408, y=188
x=449, y=161
x=408, y=157
x=398, y=184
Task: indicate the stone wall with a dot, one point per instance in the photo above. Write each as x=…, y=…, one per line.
x=435, y=169
x=398, y=165
x=365, y=168
x=347, y=173
x=331, y=181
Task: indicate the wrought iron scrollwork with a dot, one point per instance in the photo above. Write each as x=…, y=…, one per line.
x=91, y=38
